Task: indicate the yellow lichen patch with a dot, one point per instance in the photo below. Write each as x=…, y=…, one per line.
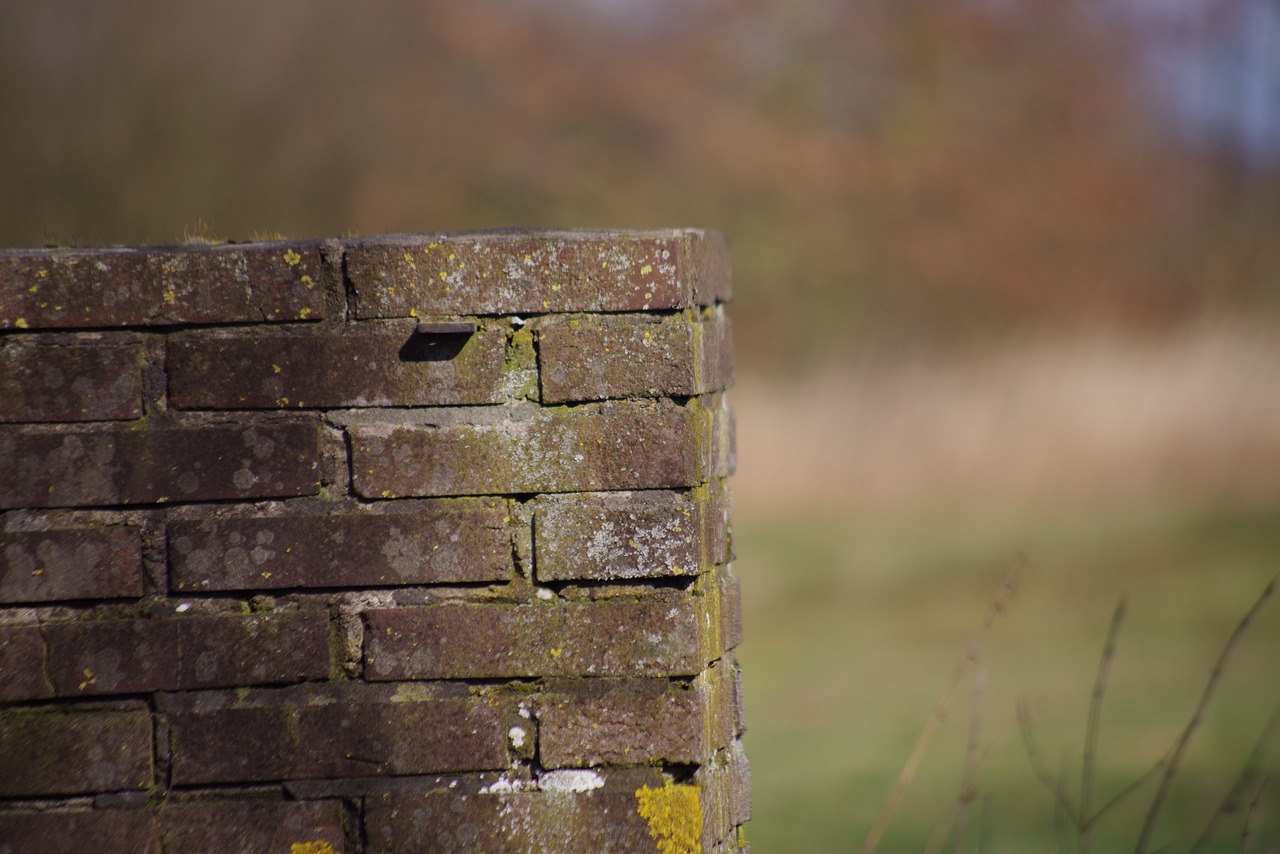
x=674, y=814
x=317, y=847
x=21, y=323
x=292, y=258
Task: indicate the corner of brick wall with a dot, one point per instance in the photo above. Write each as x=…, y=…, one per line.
x=399, y=544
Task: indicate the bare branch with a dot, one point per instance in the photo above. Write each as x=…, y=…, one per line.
x=1041, y=771
x=1091, y=729
x=1248, y=774
x=1180, y=746
x=995, y=609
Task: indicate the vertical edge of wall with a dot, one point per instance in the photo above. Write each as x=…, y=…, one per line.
x=398, y=544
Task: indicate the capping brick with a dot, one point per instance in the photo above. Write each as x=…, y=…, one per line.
x=373, y=364
x=22, y=674
x=106, y=465
x=183, y=653
x=591, y=357
x=662, y=636
x=69, y=381
x=42, y=289
x=622, y=535
x=592, y=722
x=61, y=751
x=612, y=445
x=501, y=821
x=67, y=564
x=331, y=730
x=534, y=272
x=441, y=541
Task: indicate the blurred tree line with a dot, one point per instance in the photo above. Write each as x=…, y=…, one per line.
x=889, y=171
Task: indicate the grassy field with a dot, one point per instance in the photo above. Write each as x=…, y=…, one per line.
x=854, y=626
x=876, y=511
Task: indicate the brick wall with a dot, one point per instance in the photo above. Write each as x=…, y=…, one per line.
x=374, y=545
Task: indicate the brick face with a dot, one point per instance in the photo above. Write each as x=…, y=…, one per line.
x=636, y=638
x=375, y=364
x=589, y=357
x=600, y=535
x=431, y=542
x=69, y=382
x=61, y=564
x=330, y=731
x=622, y=445
x=51, y=751
x=397, y=544
x=152, y=287
x=183, y=653
x=42, y=467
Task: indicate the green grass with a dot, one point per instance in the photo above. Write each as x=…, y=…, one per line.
x=854, y=625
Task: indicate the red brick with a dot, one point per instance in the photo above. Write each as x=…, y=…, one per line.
x=22, y=674
x=369, y=364
x=508, y=822
x=445, y=541
x=61, y=751
x=662, y=636
x=614, y=445
x=102, y=832
x=64, y=564
x=607, y=535
x=590, y=722
x=183, y=653
x=336, y=730
x=535, y=272
x=589, y=357
x=69, y=381
x=42, y=289
x=108, y=465
x=252, y=827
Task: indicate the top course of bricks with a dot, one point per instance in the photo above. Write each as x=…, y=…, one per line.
x=472, y=273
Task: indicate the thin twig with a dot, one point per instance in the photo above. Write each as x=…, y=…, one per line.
x=905, y=778
x=1061, y=797
x=1091, y=729
x=1247, y=830
x=1128, y=790
x=1180, y=746
x=969, y=776
x=1235, y=796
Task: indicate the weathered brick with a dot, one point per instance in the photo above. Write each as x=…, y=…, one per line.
x=333, y=730
x=589, y=722
x=443, y=541
x=60, y=467
x=591, y=357
x=69, y=381
x=368, y=364
x=726, y=793
x=166, y=285
x=102, y=832
x=252, y=827
x=534, y=272
x=617, y=535
x=183, y=653
x=61, y=751
x=85, y=563
x=22, y=674
x=571, y=818
x=661, y=636
x=613, y=445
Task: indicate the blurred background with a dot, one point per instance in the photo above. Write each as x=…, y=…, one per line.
x=1007, y=283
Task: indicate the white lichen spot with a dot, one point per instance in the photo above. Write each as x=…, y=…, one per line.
x=516, y=734
x=570, y=780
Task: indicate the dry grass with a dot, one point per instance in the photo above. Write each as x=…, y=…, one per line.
x=1069, y=420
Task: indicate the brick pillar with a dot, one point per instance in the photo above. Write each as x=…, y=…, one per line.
x=398, y=544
